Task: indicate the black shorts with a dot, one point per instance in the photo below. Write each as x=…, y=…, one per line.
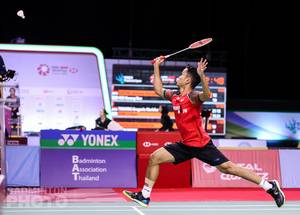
x=208, y=153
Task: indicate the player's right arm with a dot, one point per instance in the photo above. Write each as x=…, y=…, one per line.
x=157, y=83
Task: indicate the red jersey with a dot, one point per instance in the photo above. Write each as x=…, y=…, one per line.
x=188, y=119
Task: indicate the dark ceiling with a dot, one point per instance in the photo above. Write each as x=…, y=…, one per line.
x=259, y=37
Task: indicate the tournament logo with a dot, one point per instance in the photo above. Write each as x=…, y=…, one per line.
x=43, y=70
x=120, y=78
x=292, y=126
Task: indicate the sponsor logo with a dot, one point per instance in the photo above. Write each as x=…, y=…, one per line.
x=149, y=144
x=88, y=140
x=43, y=70
x=208, y=168
x=166, y=79
x=73, y=70
x=293, y=126
x=68, y=139
x=122, y=79
x=227, y=177
x=91, y=172
x=218, y=81
x=244, y=144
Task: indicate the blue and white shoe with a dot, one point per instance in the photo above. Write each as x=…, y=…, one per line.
x=137, y=197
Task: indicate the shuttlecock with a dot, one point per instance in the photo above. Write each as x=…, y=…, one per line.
x=20, y=13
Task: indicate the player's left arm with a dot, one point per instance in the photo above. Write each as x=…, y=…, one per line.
x=205, y=94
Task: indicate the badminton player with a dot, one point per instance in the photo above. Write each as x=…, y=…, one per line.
x=196, y=143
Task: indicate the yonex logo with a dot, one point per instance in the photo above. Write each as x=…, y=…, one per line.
x=70, y=139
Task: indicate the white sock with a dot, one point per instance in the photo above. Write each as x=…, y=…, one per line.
x=146, y=191
x=265, y=185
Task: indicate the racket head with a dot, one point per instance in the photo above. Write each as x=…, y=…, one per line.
x=200, y=43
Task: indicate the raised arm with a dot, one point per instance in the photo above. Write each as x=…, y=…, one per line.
x=157, y=83
x=205, y=94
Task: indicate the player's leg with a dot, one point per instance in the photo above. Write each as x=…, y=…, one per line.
x=176, y=153
x=172, y=153
x=211, y=155
x=272, y=187
x=158, y=157
x=233, y=169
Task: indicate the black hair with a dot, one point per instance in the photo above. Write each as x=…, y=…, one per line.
x=192, y=72
x=105, y=112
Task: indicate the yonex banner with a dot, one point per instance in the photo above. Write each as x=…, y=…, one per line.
x=290, y=170
x=88, y=159
x=264, y=162
x=97, y=139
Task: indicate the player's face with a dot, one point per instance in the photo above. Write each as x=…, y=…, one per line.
x=183, y=78
x=12, y=92
x=102, y=113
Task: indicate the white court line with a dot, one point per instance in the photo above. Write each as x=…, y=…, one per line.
x=151, y=206
x=137, y=210
x=55, y=211
x=156, y=210
x=227, y=209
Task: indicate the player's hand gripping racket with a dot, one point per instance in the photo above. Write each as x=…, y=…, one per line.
x=194, y=45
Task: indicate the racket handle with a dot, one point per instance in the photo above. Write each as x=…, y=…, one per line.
x=154, y=60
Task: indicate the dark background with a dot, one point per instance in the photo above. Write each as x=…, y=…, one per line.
x=260, y=38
